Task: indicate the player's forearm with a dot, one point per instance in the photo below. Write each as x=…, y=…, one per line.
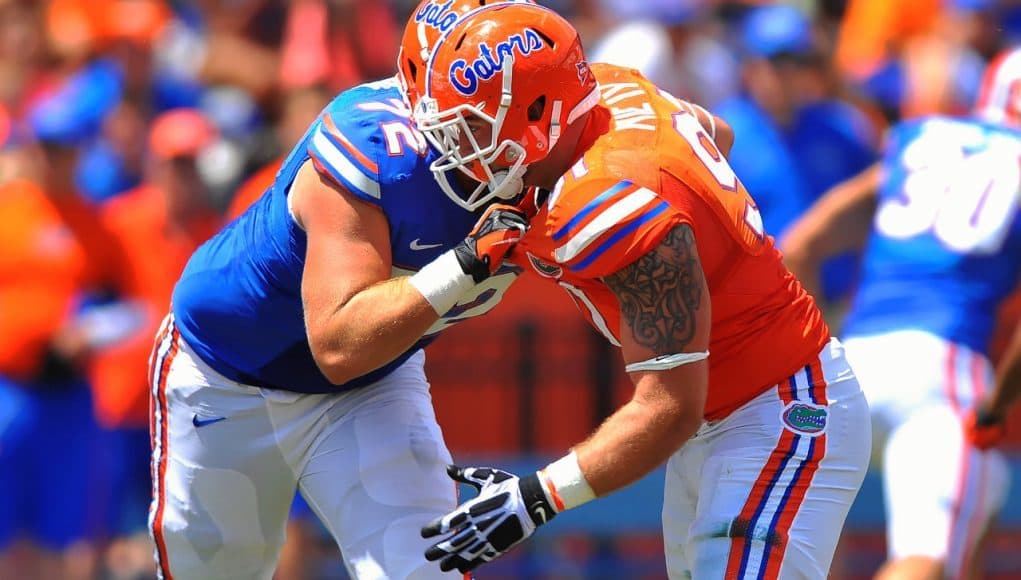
x=633, y=442
x=372, y=328
x=839, y=222
x=379, y=322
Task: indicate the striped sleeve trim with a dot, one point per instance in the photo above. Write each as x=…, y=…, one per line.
x=336, y=160
x=338, y=138
x=589, y=208
x=653, y=212
x=621, y=217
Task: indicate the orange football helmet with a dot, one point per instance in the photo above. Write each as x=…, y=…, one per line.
x=518, y=68
x=428, y=22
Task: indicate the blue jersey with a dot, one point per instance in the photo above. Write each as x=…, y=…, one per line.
x=238, y=302
x=945, y=247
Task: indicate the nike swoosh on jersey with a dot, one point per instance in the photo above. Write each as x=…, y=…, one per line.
x=417, y=244
x=202, y=422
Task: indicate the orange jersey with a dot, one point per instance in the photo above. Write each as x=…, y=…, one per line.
x=871, y=27
x=253, y=188
x=648, y=167
x=52, y=248
x=154, y=255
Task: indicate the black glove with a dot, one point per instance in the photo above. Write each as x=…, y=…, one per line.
x=984, y=429
x=507, y=510
x=499, y=229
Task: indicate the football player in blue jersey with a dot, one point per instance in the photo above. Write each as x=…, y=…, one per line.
x=292, y=357
x=938, y=220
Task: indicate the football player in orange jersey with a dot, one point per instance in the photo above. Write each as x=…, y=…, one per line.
x=641, y=219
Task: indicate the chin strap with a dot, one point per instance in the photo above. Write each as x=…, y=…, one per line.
x=511, y=184
x=554, y=127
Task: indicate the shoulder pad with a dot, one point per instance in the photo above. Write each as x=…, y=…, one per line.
x=364, y=141
x=599, y=225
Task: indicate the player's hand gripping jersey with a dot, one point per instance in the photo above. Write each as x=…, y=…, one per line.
x=945, y=248
x=650, y=167
x=238, y=303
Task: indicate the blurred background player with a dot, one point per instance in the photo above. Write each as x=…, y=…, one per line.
x=918, y=58
x=55, y=252
x=641, y=219
x=938, y=221
x=793, y=116
x=671, y=42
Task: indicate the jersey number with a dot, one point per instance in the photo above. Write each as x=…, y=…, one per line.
x=705, y=149
x=961, y=186
x=709, y=154
x=400, y=135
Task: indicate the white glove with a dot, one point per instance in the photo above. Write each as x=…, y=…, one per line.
x=507, y=510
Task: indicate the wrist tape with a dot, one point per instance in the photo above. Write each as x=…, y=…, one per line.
x=565, y=484
x=442, y=282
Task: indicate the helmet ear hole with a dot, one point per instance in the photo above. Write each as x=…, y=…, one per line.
x=536, y=109
x=413, y=70
x=545, y=38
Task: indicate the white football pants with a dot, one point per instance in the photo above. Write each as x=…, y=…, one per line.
x=940, y=493
x=227, y=459
x=763, y=493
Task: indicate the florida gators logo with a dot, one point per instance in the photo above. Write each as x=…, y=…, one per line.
x=439, y=16
x=805, y=419
x=545, y=269
x=465, y=76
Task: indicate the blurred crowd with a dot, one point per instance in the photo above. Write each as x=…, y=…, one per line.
x=131, y=130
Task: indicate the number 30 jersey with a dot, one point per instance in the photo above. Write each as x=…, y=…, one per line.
x=238, y=302
x=649, y=166
x=945, y=247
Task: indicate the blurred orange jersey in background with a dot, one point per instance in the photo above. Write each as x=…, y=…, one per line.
x=649, y=166
x=871, y=28
x=253, y=188
x=155, y=255
x=53, y=248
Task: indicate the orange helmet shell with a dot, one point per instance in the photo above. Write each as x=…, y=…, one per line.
x=428, y=22
x=541, y=53
x=521, y=69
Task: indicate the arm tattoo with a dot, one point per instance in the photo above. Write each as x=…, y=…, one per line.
x=660, y=292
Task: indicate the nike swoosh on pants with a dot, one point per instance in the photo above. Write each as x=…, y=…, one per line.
x=202, y=422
